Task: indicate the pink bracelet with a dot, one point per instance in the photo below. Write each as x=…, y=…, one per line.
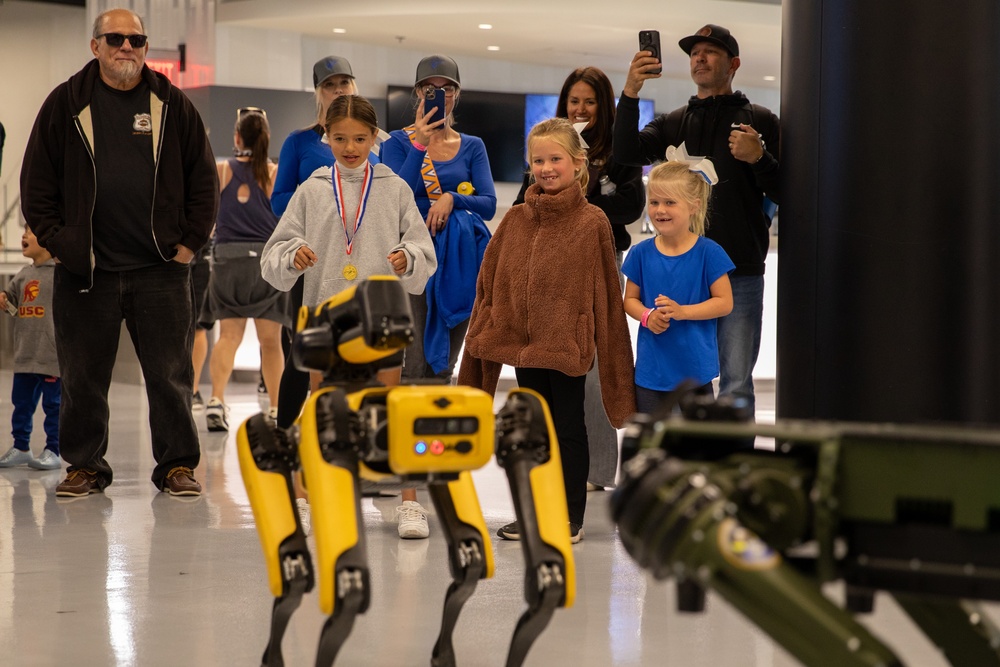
x=645, y=317
x=419, y=147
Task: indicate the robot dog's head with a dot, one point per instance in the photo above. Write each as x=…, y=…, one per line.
x=359, y=327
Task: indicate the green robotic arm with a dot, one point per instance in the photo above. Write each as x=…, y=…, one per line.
x=909, y=510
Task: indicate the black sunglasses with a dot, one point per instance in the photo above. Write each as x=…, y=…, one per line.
x=116, y=39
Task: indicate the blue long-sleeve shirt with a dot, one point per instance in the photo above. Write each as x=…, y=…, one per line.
x=470, y=165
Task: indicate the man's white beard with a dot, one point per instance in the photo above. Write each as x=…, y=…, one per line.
x=125, y=72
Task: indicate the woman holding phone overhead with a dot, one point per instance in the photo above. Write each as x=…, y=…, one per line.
x=588, y=101
x=450, y=176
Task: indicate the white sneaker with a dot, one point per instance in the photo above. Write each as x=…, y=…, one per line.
x=15, y=457
x=412, y=519
x=49, y=460
x=217, y=415
x=305, y=514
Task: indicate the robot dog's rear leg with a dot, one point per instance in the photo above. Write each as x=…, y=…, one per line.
x=267, y=459
x=470, y=556
x=962, y=630
x=528, y=451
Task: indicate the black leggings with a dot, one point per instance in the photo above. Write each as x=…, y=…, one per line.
x=294, y=387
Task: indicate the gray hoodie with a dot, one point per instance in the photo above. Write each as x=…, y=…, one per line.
x=30, y=291
x=391, y=222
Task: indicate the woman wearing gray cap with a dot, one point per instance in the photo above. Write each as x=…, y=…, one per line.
x=450, y=176
x=452, y=185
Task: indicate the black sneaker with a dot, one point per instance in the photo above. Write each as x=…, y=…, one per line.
x=510, y=532
x=575, y=532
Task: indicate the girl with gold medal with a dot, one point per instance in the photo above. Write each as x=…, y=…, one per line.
x=351, y=221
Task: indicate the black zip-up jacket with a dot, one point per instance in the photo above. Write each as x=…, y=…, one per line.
x=59, y=180
x=736, y=218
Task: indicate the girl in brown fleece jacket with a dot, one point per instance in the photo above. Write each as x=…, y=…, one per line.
x=547, y=298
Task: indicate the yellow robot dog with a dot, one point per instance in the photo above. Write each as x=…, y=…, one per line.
x=354, y=428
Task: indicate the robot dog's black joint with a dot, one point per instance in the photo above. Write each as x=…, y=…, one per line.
x=338, y=428
x=273, y=449
x=521, y=431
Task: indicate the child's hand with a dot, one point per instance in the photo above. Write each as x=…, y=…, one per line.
x=304, y=258
x=398, y=261
x=669, y=308
x=5, y=304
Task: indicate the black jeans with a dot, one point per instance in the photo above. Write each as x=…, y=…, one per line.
x=156, y=306
x=565, y=396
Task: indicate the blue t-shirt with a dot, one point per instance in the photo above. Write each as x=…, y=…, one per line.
x=688, y=349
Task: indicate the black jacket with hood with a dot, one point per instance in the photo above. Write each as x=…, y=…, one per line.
x=736, y=217
x=59, y=180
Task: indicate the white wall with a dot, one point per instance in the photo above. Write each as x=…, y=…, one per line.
x=40, y=45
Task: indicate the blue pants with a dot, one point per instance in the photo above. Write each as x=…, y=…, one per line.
x=24, y=395
x=155, y=304
x=739, y=338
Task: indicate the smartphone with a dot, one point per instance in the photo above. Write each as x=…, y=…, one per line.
x=649, y=40
x=435, y=101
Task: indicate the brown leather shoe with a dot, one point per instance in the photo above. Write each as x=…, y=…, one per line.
x=180, y=482
x=79, y=483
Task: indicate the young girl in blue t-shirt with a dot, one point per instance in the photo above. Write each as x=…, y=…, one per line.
x=678, y=283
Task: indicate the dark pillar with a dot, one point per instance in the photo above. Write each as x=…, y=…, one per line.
x=889, y=274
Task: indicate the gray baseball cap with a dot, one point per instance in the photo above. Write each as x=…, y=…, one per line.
x=441, y=66
x=330, y=66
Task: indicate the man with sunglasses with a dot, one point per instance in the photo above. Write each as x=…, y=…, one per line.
x=119, y=185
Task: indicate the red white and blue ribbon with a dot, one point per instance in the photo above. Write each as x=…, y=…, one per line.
x=359, y=216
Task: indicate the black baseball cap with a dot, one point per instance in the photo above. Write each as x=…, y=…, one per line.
x=715, y=34
x=330, y=66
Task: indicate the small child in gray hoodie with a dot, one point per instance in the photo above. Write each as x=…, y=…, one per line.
x=28, y=298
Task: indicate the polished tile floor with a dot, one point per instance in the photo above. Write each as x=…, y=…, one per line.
x=137, y=578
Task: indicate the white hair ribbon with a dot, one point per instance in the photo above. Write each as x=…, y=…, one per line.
x=579, y=127
x=699, y=164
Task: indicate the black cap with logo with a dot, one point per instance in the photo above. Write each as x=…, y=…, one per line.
x=715, y=34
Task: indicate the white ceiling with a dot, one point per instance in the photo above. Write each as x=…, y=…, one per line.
x=555, y=33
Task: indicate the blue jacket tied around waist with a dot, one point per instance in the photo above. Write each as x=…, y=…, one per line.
x=451, y=291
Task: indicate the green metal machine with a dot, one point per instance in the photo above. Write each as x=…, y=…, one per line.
x=912, y=511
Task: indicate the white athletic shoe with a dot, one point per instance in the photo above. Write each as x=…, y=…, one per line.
x=49, y=460
x=412, y=519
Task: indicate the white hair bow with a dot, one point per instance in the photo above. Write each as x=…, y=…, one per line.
x=579, y=127
x=700, y=165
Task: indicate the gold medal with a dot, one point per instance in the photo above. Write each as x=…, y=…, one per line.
x=350, y=271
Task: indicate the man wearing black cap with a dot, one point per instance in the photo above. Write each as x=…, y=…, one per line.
x=742, y=140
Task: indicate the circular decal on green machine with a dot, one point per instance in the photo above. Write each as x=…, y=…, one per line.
x=741, y=547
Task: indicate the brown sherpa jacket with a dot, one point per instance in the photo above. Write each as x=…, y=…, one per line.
x=548, y=297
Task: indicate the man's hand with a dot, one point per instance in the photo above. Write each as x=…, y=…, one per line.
x=745, y=144
x=638, y=72
x=184, y=254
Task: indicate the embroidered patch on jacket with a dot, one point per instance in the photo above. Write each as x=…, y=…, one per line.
x=143, y=123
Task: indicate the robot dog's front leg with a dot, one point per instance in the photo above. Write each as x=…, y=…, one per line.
x=266, y=462
x=329, y=452
x=527, y=449
x=470, y=554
